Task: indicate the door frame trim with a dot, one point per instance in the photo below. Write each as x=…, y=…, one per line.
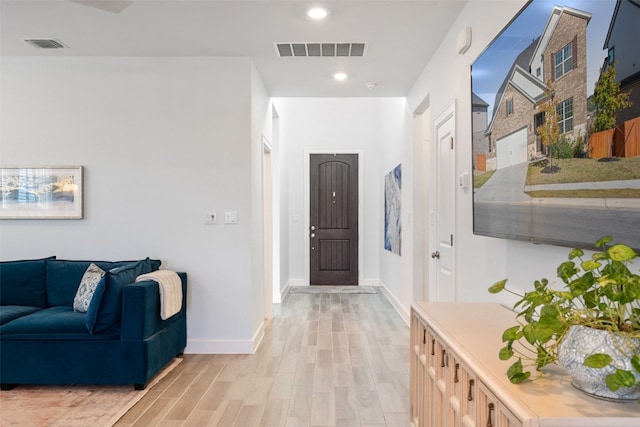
x=267, y=223
x=307, y=210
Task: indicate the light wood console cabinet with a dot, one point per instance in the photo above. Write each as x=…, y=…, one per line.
x=457, y=379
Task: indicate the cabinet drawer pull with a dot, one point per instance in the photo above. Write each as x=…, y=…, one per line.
x=470, y=394
x=424, y=336
x=490, y=418
x=433, y=347
x=442, y=365
x=455, y=375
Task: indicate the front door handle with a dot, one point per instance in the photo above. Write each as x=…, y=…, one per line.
x=313, y=235
x=435, y=254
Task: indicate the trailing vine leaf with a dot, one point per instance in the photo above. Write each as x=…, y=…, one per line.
x=540, y=285
x=634, y=318
x=603, y=241
x=590, y=265
x=613, y=382
x=515, y=373
x=566, y=270
x=632, y=289
x=576, y=253
x=529, y=334
x=498, y=286
x=620, y=378
x=621, y=253
x=511, y=334
x=627, y=379
x=600, y=256
x=580, y=285
x=505, y=353
x=598, y=360
x=635, y=362
x=591, y=298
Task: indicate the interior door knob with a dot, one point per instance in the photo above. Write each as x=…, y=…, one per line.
x=435, y=254
x=313, y=235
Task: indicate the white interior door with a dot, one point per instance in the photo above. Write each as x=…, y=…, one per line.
x=442, y=256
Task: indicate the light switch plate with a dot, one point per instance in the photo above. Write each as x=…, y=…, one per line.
x=231, y=217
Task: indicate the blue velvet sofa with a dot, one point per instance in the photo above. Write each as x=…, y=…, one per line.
x=121, y=339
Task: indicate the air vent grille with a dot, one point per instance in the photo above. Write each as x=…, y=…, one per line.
x=287, y=50
x=45, y=43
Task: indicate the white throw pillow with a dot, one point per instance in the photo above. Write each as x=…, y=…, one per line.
x=87, y=287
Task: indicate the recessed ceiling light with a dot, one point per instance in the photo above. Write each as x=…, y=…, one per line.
x=318, y=13
x=340, y=76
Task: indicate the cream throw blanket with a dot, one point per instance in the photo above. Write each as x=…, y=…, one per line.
x=170, y=291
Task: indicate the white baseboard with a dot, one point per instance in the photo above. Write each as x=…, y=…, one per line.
x=372, y=282
x=295, y=282
x=300, y=282
x=231, y=346
x=397, y=305
x=290, y=284
x=258, y=336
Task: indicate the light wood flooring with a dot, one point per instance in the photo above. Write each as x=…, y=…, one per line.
x=326, y=360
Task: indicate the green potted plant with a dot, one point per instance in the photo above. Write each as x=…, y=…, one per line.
x=591, y=326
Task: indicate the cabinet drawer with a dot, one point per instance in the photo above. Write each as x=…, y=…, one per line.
x=436, y=355
x=491, y=412
x=461, y=388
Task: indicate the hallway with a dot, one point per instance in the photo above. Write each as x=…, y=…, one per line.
x=326, y=360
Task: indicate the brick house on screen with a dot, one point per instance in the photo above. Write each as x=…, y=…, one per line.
x=557, y=57
x=622, y=48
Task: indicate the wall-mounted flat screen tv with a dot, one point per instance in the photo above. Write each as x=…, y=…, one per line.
x=556, y=125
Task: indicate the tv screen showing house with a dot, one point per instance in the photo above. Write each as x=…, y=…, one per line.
x=556, y=125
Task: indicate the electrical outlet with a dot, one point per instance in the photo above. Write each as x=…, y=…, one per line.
x=210, y=218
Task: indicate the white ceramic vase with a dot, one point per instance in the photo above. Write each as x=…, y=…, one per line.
x=581, y=342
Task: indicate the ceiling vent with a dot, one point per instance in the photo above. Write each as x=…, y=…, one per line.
x=45, y=43
x=286, y=50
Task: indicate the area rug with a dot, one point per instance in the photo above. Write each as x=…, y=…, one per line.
x=71, y=405
x=333, y=290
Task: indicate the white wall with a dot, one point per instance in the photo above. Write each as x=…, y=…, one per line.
x=163, y=141
x=396, y=271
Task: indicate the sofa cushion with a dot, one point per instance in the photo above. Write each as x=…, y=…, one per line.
x=87, y=288
x=105, y=309
x=12, y=312
x=53, y=323
x=64, y=276
x=24, y=282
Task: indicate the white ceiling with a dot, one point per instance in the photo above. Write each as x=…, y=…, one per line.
x=401, y=36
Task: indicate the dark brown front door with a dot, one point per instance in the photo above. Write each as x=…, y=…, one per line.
x=333, y=233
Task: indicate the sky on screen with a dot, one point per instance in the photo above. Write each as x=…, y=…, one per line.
x=491, y=67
